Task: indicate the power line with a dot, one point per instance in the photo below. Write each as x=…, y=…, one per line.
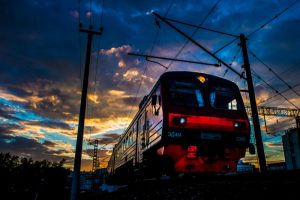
x=285, y=71
x=278, y=100
x=270, y=69
x=261, y=27
x=196, y=43
x=99, y=42
x=233, y=59
x=79, y=11
x=169, y=8
x=273, y=18
x=195, y=31
x=157, y=63
x=173, y=59
x=254, y=73
x=80, y=45
x=90, y=13
x=200, y=27
x=278, y=94
x=226, y=45
x=89, y=110
x=146, y=65
x=272, y=100
x=102, y=11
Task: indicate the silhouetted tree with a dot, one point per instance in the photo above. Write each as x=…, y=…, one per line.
x=23, y=178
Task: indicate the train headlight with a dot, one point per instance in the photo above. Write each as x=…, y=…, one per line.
x=236, y=125
x=179, y=121
x=239, y=125
x=182, y=120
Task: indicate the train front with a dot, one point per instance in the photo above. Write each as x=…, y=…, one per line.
x=206, y=125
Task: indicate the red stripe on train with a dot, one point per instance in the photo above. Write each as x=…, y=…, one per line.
x=207, y=122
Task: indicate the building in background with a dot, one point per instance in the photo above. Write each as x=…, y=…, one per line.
x=291, y=148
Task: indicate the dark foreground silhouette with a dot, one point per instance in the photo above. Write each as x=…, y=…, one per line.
x=282, y=185
x=23, y=178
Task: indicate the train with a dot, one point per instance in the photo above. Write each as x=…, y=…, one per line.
x=190, y=122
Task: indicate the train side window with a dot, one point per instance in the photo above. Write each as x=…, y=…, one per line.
x=154, y=100
x=127, y=142
x=156, y=103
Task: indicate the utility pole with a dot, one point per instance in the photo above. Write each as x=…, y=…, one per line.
x=78, y=152
x=255, y=119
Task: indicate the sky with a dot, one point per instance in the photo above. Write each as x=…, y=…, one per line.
x=42, y=57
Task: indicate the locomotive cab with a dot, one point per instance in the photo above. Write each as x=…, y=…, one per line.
x=207, y=129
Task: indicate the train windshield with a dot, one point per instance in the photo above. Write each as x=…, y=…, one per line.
x=185, y=92
x=224, y=98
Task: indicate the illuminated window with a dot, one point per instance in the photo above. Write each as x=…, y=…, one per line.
x=223, y=98
x=232, y=105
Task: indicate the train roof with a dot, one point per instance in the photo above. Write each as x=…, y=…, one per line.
x=188, y=74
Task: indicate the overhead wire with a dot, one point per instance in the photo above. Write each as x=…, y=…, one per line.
x=226, y=45
x=143, y=74
x=201, y=27
x=261, y=27
x=195, y=31
x=286, y=90
x=80, y=45
x=90, y=13
x=98, y=48
x=90, y=111
x=285, y=71
x=255, y=74
x=271, y=70
x=146, y=65
x=231, y=63
x=273, y=18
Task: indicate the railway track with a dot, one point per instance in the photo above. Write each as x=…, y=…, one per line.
x=275, y=185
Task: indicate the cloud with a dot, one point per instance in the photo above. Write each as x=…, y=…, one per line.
x=60, y=125
x=109, y=138
x=130, y=74
x=11, y=97
x=48, y=143
x=117, y=93
x=29, y=148
x=120, y=53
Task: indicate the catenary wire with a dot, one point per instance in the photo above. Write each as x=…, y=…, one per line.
x=255, y=74
x=195, y=31
x=271, y=70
